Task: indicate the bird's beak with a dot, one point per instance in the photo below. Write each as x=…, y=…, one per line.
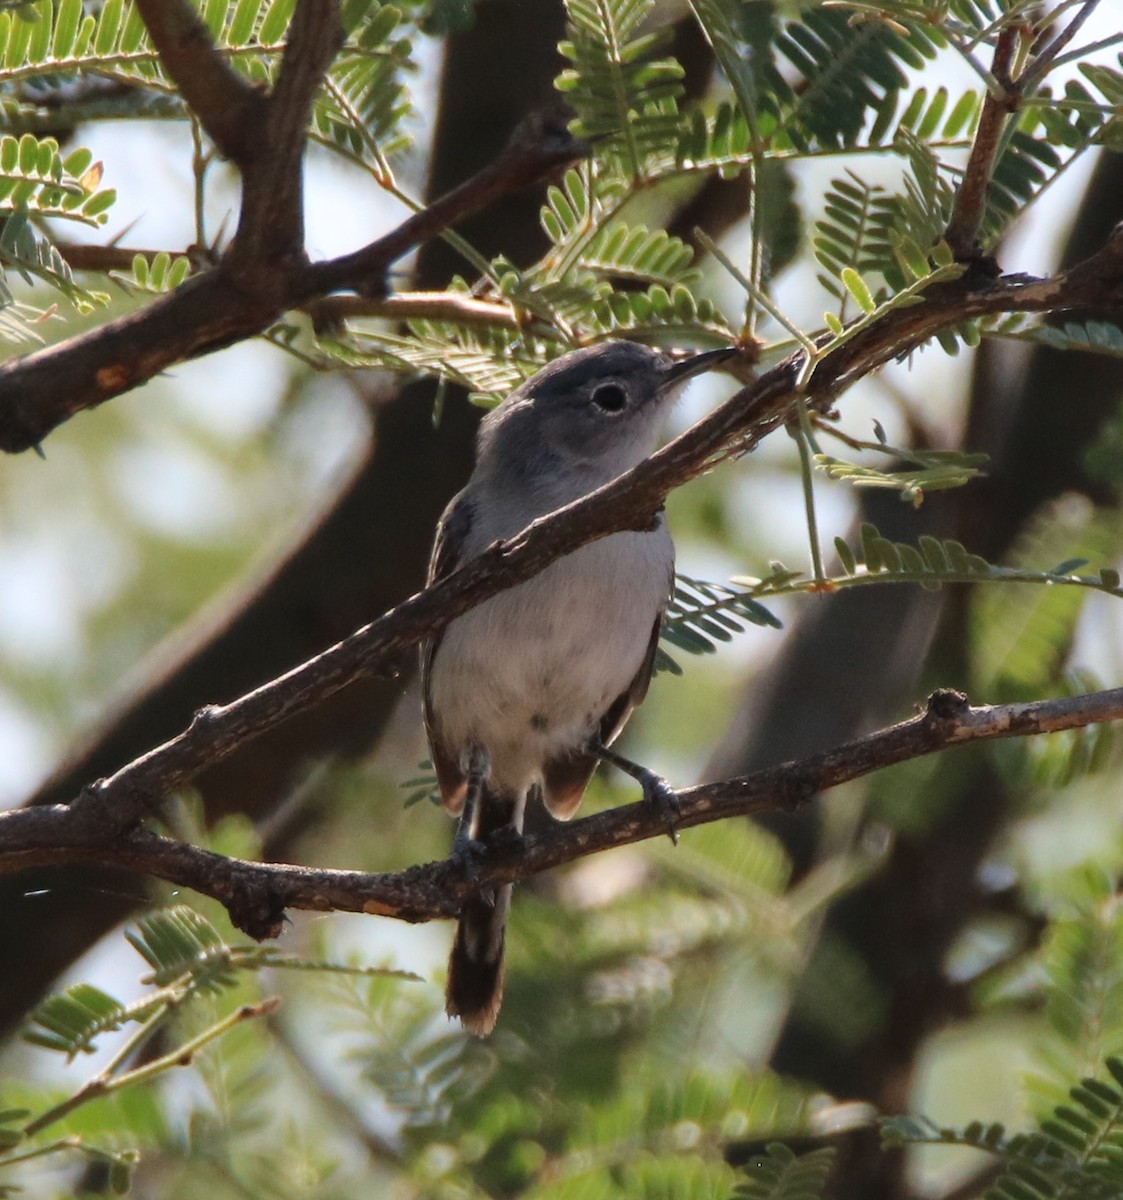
x=695, y=364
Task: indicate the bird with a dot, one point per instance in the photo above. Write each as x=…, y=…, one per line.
x=526, y=691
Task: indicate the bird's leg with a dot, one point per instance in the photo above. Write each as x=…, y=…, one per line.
x=510, y=834
x=466, y=849
x=656, y=790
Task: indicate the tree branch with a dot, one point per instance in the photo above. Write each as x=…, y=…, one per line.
x=1044, y=62
x=627, y=503
x=83, y=256
x=271, y=222
x=416, y=306
x=257, y=894
x=228, y=106
x=962, y=233
x=227, y=304
x=539, y=146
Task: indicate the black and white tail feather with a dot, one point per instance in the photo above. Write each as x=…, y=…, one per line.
x=474, y=991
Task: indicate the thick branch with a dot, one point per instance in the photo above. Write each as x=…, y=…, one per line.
x=40, y=391
x=257, y=894
x=228, y=106
x=227, y=304
x=271, y=222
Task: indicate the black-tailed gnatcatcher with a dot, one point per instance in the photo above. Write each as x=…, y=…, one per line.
x=529, y=688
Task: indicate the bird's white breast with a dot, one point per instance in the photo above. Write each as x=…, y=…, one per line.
x=529, y=673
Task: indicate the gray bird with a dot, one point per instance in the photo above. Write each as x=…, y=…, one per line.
x=530, y=687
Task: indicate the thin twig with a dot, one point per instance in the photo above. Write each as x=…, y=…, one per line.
x=416, y=306
x=962, y=233
x=1045, y=61
x=103, y=1085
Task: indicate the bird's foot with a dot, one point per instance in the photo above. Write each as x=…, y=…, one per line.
x=467, y=853
x=662, y=797
x=656, y=790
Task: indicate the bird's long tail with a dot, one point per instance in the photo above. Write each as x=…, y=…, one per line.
x=474, y=991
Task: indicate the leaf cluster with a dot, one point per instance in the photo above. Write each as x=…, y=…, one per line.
x=191, y=966
x=1077, y=1150
x=826, y=81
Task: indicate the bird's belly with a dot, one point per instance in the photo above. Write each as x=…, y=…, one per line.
x=529, y=673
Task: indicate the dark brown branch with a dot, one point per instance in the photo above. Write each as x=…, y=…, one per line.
x=271, y=223
x=227, y=304
x=82, y=256
x=39, y=391
x=228, y=106
x=257, y=894
x=538, y=148
x=627, y=503
x=962, y=233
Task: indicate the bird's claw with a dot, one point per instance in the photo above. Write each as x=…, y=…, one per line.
x=661, y=796
x=467, y=853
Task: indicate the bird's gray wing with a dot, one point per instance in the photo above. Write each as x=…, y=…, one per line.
x=448, y=553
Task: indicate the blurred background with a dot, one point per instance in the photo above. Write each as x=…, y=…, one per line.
x=200, y=535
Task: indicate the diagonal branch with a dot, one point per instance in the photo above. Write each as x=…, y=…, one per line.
x=627, y=503
x=229, y=107
x=541, y=145
x=257, y=894
x=1047, y=59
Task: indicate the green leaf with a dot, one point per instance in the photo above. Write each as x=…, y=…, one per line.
x=779, y=1174
x=858, y=288
x=71, y=1021
x=275, y=21
x=180, y=944
x=701, y=614
x=109, y=25
x=623, y=95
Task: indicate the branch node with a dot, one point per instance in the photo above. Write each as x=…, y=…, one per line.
x=96, y=816
x=89, y=805
x=203, y=717
x=946, y=704
x=254, y=908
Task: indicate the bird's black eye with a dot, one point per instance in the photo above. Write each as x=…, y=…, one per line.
x=610, y=398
